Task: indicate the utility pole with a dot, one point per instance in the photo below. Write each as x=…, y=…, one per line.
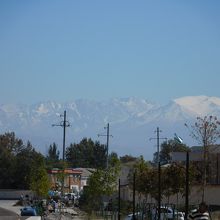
x=159, y=169
x=134, y=179
x=187, y=186
x=63, y=124
x=119, y=199
x=107, y=143
x=179, y=140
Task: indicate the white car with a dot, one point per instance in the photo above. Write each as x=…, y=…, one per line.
x=179, y=215
x=130, y=216
x=167, y=213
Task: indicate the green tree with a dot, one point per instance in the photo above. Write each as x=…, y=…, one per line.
x=142, y=170
x=172, y=177
x=127, y=158
x=39, y=181
x=113, y=159
x=10, y=146
x=146, y=178
x=52, y=158
x=173, y=180
x=53, y=153
x=103, y=182
x=206, y=131
x=166, y=148
x=24, y=161
x=86, y=154
x=16, y=161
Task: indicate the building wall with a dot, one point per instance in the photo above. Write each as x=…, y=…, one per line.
x=70, y=181
x=212, y=196
x=14, y=194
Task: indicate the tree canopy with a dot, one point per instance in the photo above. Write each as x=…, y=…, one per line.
x=166, y=148
x=52, y=158
x=205, y=131
x=87, y=153
x=103, y=182
x=16, y=162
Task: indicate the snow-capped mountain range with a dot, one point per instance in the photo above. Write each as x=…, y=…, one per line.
x=132, y=122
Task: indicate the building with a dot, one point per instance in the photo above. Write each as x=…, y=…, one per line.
x=86, y=173
x=72, y=179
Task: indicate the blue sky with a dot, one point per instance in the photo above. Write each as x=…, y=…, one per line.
x=66, y=50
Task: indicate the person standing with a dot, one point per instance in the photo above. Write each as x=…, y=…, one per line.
x=201, y=214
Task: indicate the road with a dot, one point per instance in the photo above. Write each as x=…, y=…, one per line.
x=10, y=212
x=5, y=212
x=10, y=215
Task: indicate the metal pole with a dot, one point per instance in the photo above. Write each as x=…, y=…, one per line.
x=119, y=200
x=64, y=134
x=134, y=197
x=159, y=172
x=158, y=145
x=187, y=186
x=205, y=161
x=217, y=168
x=107, y=144
x=63, y=124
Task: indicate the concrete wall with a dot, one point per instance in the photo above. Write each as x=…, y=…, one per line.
x=212, y=196
x=14, y=194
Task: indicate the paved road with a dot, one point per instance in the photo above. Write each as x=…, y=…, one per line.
x=8, y=215
x=5, y=212
x=10, y=212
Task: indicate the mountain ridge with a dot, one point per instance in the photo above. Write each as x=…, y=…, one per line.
x=132, y=120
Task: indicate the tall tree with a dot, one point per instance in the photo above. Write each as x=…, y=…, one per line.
x=143, y=172
x=166, y=148
x=53, y=153
x=206, y=131
x=103, y=182
x=86, y=154
x=25, y=160
x=9, y=142
x=128, y=158
x=173, y=180
x=10, y=146
x=52, y=158
x=39, y=181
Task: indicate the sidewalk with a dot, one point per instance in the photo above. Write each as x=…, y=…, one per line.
x=9, y=205
x=69, y=212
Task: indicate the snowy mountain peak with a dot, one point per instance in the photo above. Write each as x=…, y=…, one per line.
x=131, y=120
x=199, y=105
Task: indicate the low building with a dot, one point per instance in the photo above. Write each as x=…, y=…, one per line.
x=86, y=173
x=72, y=179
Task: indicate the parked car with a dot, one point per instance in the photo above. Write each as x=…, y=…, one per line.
x=28, y=211
x=179, y=215
x=167, y=213
x=130, y=216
